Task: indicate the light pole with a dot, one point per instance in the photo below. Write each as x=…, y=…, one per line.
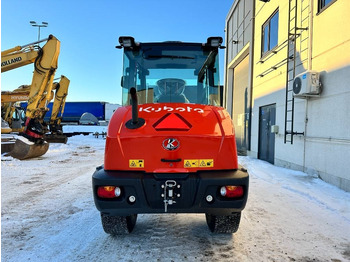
x=43, y=24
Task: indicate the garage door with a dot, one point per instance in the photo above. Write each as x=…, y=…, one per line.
x=240, y=114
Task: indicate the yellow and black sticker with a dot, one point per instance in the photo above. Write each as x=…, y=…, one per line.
x=136, y=163
x=206, y=162
x=191, y=163
x=201, y=163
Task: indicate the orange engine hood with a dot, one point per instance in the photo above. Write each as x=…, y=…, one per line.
x=175, y=138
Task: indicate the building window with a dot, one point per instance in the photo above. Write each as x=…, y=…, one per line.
x=270, y=33
x=322, y=4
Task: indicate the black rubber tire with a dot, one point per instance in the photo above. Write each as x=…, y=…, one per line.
x=223, y=224
x=118, y=225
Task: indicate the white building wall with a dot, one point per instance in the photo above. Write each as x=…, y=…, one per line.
x=324, y=149
x=327, y=137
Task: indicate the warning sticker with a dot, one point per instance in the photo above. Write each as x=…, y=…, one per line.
x=188, y=163
x=191, y=163
x=206, y=162
x=136, y=163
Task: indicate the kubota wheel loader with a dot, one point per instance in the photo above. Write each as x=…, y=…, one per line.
x=170, y=148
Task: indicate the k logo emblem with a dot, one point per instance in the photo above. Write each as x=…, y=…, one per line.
x=171, y=144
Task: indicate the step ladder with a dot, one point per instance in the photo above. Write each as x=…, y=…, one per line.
x=297, y=57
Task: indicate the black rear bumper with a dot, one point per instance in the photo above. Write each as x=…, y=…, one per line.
x=190, y=192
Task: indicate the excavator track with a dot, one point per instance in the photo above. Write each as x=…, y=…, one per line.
x=25, y=149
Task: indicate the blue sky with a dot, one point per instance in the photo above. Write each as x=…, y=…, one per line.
x=89, y=31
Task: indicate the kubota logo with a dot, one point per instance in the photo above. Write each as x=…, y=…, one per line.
x=150, y=109
x=171, y=144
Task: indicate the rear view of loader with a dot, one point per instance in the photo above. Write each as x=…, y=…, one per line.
x=170, y=148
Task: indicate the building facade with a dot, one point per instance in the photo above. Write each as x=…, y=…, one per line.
x=298, y=85
x=238, y=61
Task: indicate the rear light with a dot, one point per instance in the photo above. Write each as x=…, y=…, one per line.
x=109, y=191
x=231, y=191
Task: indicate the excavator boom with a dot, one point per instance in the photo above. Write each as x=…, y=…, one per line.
x=19, y=56
x=45, y=59
x=7, y=96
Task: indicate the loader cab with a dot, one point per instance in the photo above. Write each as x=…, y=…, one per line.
x=171, y=72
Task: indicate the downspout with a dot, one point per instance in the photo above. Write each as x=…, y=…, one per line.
x=251, y=54
x=311, y=28
x=224, y=100
x=309, y=67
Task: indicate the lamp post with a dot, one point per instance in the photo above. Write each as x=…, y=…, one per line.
x=43, y=24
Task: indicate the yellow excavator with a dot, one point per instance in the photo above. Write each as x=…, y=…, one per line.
x=12, y=113
x=30, y=143
x=55, y=127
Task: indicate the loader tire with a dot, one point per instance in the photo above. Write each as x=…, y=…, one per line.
x=118, y=225
x=223, y=224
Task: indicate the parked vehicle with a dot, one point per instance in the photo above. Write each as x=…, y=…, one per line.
x=176, y=152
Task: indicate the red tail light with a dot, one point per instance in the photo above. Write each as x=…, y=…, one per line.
x=232, y=191
x=108, y=191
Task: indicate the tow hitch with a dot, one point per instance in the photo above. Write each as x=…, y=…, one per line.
x=171, y=192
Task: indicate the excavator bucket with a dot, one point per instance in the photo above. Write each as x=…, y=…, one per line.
x=24, y=149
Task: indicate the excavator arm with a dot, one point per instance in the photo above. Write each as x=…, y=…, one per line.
x=61, y=92
x=45, y=60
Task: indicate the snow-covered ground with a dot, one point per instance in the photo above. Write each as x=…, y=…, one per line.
x=48, y=214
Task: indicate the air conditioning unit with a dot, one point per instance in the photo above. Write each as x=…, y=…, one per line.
x=307, y=84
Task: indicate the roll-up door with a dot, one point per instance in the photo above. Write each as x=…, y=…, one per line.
x=240, y=113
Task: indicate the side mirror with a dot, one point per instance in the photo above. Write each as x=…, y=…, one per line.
x=125, y=81
x=221, y=95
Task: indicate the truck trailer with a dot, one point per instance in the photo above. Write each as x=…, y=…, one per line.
x=73, y=111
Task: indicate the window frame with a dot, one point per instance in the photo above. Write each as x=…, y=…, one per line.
x=202, y=84
x=268, y=25
x=323, y=6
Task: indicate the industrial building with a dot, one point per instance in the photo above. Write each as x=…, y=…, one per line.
x=287, y=84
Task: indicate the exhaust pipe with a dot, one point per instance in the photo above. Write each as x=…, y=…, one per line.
x=135, y=122
x=134, y=106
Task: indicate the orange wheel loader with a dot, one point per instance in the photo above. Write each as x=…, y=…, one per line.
x=171, y=147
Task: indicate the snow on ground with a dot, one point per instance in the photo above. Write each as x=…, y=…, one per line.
x=48, y=214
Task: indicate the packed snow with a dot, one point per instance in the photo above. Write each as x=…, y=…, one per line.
x=48, y=214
